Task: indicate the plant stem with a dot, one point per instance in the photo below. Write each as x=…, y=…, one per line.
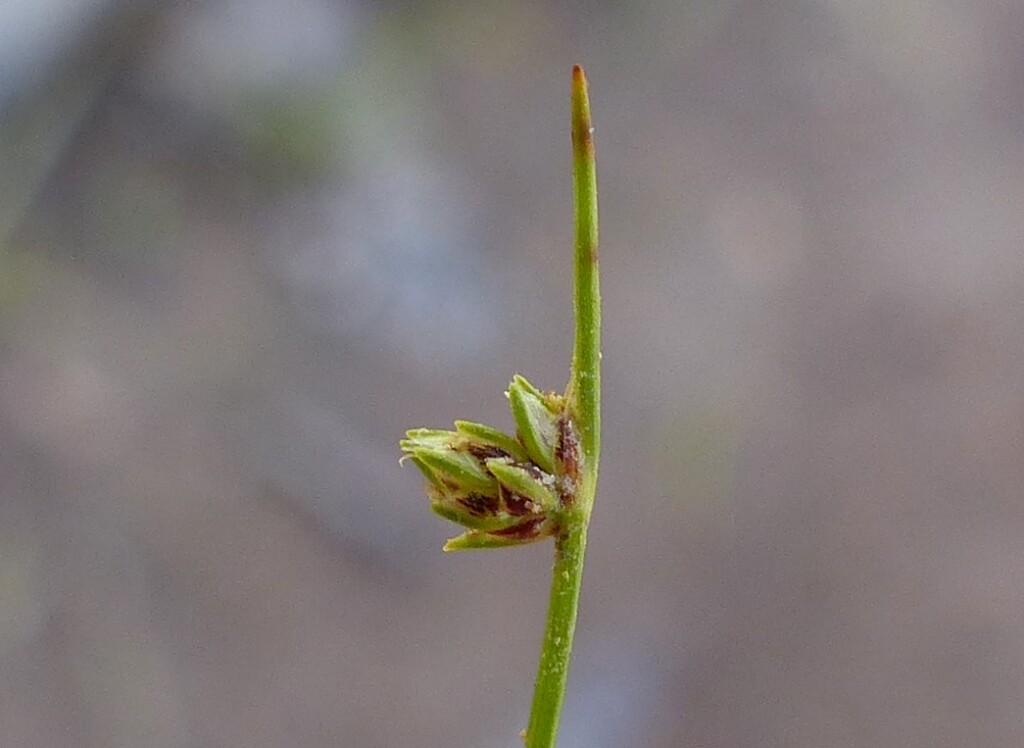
x=557, y=648
x=584, y=408
x=584, y=390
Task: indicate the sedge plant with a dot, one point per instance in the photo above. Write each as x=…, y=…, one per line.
x=513, y=489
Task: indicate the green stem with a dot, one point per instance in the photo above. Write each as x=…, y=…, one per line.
x=584, y=407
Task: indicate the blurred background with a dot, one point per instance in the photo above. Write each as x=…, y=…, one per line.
x=244, y=244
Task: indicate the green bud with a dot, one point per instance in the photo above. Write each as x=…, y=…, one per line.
x=525, y=481
x=526, y=532
x=536, y=416
x=485, y=435
x=475, y=512
x=483, y=479
x=454, y=470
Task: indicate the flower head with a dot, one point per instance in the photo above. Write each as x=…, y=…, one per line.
x=502, y=488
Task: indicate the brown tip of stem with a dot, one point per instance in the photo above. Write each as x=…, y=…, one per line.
x=582, y=138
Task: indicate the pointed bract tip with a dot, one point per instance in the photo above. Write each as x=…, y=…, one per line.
x=582, y=130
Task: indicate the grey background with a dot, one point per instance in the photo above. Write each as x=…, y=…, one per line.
x=245, y=244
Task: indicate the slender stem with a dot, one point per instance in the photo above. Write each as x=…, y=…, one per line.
x=584, y=407
x=556, y=651
x=584, y=390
